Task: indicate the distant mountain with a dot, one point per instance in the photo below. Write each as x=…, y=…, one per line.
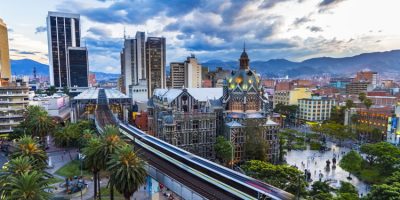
x=386, y=63
x=25, y=67
x=101, y=76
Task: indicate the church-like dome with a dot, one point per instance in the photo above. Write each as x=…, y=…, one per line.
x=245, y=78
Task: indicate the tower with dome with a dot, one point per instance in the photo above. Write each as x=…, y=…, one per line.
x=246, y=114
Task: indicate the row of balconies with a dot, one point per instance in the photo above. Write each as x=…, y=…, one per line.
x=11, y=115
x=10, y=94
x=10, y=122
x=8, y=108
x=13, y=101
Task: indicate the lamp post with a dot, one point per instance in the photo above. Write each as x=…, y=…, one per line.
x=232, y=155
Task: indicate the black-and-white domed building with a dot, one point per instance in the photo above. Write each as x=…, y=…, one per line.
x=245, y=105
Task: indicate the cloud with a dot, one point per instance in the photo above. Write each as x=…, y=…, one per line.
x=40, y=29
x=131, y=11
x=325, y=5
x=10, y=30
x=101, y=32
x=271, y=3
x=314, y=28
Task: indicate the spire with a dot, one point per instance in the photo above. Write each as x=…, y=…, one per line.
x=244, y=58
x=124, y=33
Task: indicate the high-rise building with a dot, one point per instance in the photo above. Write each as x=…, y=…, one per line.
x=192, y=73
x=63, y=31
x=142, y=66
x=177, y=75
x=155, y=60
x=186, y=74
x=133, y=63
x=78, y=68
x=5, y=71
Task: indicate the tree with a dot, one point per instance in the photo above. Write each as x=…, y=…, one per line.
x=347, y=191
x=110, y=143
x=282, y=151
x=362, y=96
x=383, y=155
x=395, y=177
x=28, y=185
x=376, y=135
x=384, y=192
x=92, y=160
x=223, y=149
x=368, y=103
x=321, y=190
x=127, y=170
x=337, y=114
x=37, y=122
x=351, y=162
x=51, y=90
x=67, y=136
x=255, y=146
x=28, y=147
x=339, y=131
x=349, y=103
x=282, y=176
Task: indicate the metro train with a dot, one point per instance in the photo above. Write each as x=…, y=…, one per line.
x=242, y=186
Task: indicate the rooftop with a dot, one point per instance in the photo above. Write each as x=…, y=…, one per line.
x=201, y=94
x=115, y=94
x=91, y=93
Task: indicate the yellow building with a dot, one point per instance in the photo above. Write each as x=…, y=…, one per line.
x=5, y=71
x=291, y=97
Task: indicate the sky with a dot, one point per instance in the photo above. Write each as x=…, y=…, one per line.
x=213, y=29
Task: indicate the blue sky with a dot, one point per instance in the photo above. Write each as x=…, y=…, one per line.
x=214, y=29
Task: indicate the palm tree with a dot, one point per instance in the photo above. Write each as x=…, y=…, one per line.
x=127, y=170
x=368, y=103
x=111, y=142
x=92, y=160
x=67, y=136
x=19, y=165
x=28, y=185
x=37, y=122
x=28, y=147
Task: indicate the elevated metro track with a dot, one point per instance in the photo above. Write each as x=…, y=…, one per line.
x=210, y=180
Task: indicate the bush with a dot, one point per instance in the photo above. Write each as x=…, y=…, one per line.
x=315, y=146
x=371, y=176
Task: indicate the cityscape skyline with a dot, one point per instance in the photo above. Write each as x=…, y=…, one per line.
x=295, y=30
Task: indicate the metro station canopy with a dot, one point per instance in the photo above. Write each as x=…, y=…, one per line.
x=91, y=96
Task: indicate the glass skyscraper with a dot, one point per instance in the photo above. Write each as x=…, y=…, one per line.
x=77, y=67
x=63, y=31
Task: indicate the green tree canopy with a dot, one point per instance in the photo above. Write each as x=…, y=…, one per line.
x=362, y=96
x=321, y=190
x=29, y=147
x=351, y=162
x=285, y=177
x=368, y=103
x=383, y=155
x=384, y=192
x=255, y=146
x=223, y=149
x=349, y=103
x=127, y=170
